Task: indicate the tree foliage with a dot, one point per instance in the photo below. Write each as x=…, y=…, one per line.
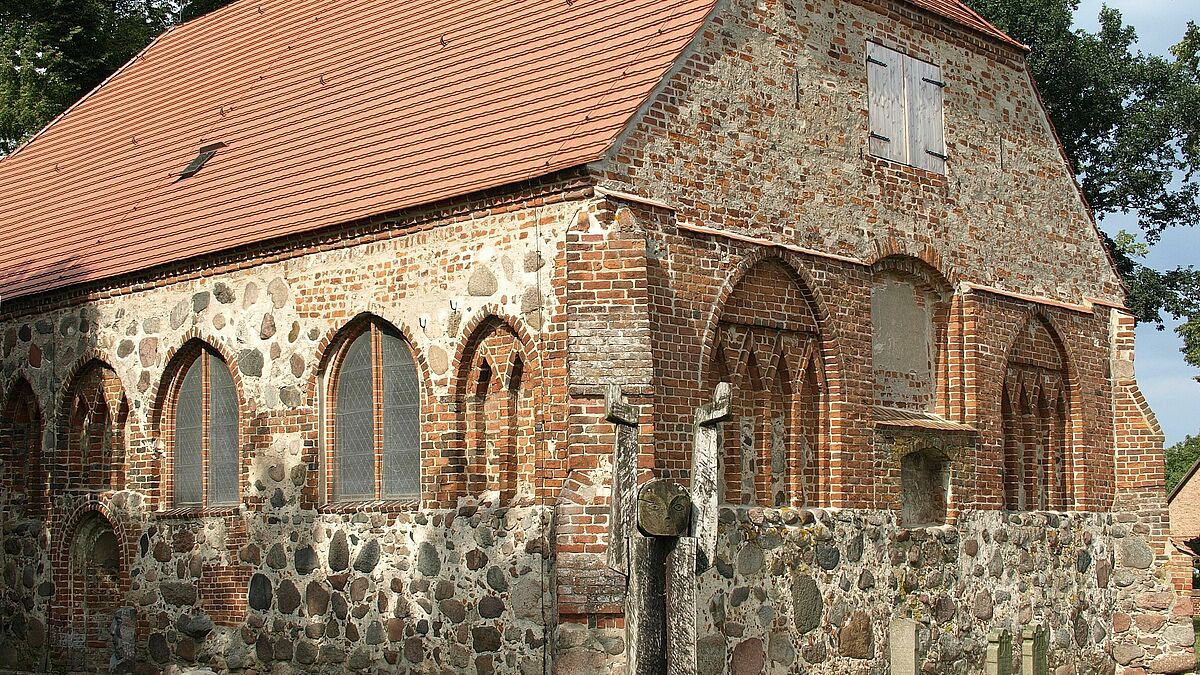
x=1129, y=126
x=53, y=52
x=194, y=8
x=1180, y=457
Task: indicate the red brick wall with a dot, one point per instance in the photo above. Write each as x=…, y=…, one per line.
x=694, y=270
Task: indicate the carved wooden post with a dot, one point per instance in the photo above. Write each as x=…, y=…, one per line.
x=622, y=514
x=681, y=607
x=661, y=636
x=704, y=473
x=695, y=553
x=641, y=559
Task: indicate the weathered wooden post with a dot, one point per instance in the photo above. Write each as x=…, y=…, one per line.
x=694, y=554
x=705, y=446
x=641, y=559
x=660, y=536
x=621, y=512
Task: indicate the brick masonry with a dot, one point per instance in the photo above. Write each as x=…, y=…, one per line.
x=738, y=231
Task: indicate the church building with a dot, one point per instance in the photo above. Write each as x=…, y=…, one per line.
x=312, y=317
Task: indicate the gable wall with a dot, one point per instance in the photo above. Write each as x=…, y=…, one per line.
x=760, y=138
x=1185, y=512
x=763, y=130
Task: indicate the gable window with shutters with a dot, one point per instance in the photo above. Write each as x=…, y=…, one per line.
x=905, y=109
x=372, y=418
x=205, y=466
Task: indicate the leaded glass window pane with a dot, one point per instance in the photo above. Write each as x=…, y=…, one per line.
x=401, y=420
x=189, y=429
x=355, y=418
x=222, y=435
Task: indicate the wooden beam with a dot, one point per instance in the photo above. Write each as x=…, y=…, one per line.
x=706, y=443
x=681, y=607
x=622, y=510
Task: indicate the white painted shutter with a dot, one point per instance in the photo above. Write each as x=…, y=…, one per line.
x=926, y=146
x=885, y=109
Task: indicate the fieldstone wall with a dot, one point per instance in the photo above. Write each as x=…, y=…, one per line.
x=286, y=581
x=462, y=589
x=26, y=591
x=816, y=591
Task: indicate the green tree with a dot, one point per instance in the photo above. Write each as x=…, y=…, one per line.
x=195, y=8
x=53, y=52
x=1129, y=126
x=1180, y=457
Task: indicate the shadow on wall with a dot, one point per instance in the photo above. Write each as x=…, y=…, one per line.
x=63, y=425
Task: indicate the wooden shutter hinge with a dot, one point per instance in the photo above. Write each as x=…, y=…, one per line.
x=936, y=83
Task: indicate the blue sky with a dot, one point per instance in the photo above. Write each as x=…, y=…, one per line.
x=1166, y=380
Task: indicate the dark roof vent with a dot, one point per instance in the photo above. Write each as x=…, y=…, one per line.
x=206, y=153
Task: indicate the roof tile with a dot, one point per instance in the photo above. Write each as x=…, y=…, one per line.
x=328, y=112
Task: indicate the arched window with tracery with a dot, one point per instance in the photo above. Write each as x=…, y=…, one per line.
x=496, y=411
x=768, y=348
x=372, y=416
x=21, y=443
x=202, y=430
x=94, y=431
x=1035, y=415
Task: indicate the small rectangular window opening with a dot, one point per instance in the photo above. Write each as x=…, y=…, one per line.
x=206, y=153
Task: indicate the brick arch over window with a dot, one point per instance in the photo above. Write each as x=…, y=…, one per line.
x=768, y=345
x=91, y=431
x=1036, y=410
x=910, y=316
x=90, y=567
x=23, y=478
x=494, y=404
x=371, y=399
x=198, y=418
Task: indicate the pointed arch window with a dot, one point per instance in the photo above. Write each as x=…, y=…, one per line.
x=375, y=418
x=21, y=437
x=1037, y=473
x=767, y=347
x=92, y=431
x=206, y=459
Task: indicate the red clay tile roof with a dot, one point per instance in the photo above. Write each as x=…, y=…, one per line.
x=329, y=111
x=959, y=12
